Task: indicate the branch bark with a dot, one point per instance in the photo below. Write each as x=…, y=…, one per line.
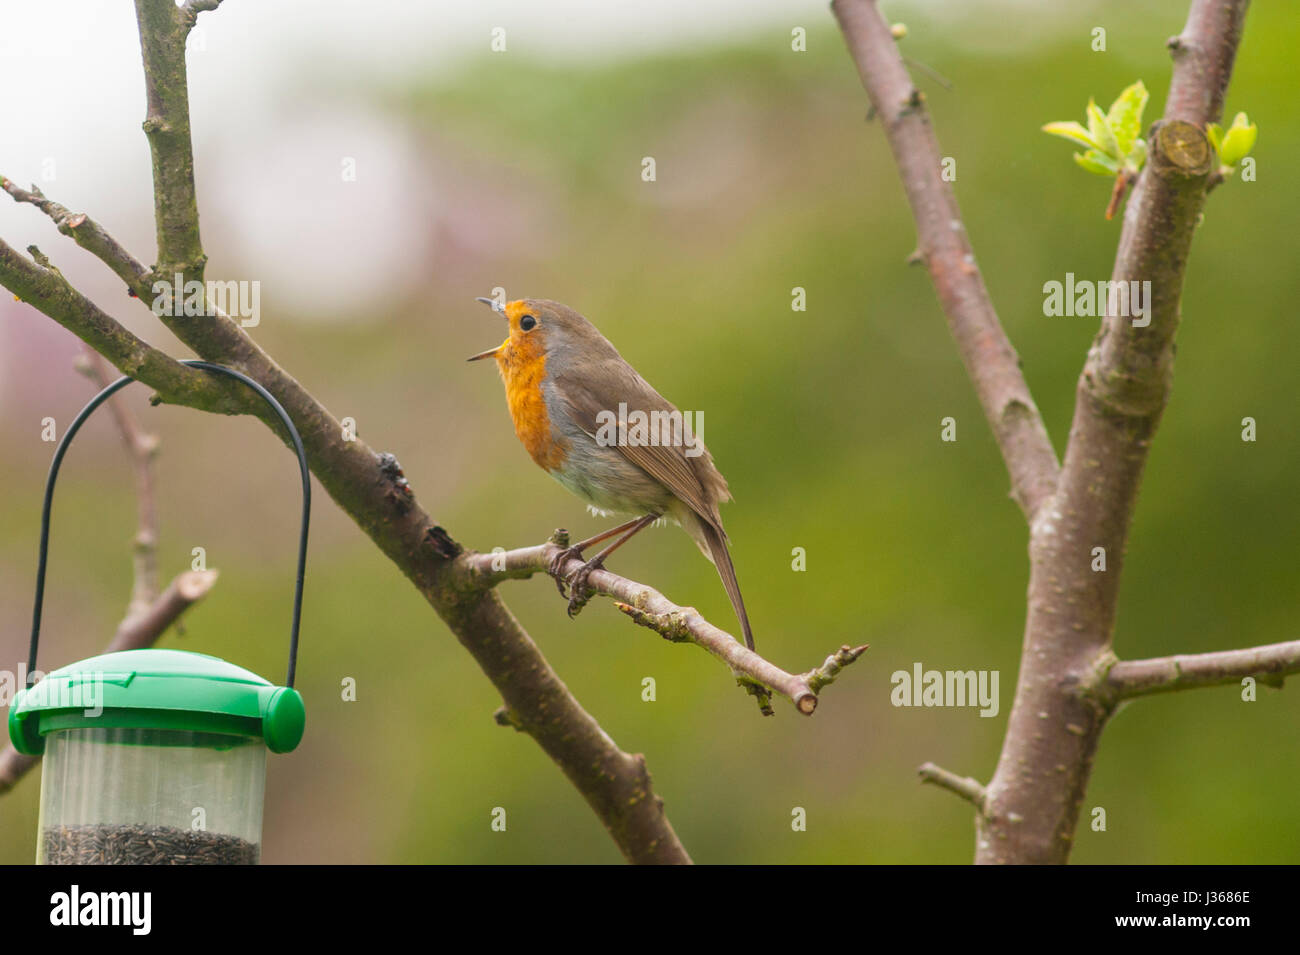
x=990, y=360
x=163, y=29
x=87, y=233
x=1203, y=55
x=651, y=609
x=44, y=287
x=964, y=786
x=1268, y=664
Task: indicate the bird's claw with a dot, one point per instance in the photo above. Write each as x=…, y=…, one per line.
x=579, y=593
x=556, y=567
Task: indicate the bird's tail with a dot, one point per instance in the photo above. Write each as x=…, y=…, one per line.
x=716, y=542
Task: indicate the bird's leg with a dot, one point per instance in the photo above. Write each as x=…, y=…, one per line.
x=575, y=552
x=578, y=579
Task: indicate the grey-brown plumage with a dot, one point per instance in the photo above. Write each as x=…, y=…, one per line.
x=581, y=380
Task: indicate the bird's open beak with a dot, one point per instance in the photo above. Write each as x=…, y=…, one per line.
x=500, y=310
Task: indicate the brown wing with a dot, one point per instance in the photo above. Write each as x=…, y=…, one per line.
x=695, y=480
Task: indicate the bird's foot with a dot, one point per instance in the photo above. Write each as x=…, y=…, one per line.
x=579, y=593
x=556, y=566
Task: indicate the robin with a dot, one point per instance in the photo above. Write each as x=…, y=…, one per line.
x=580, y=411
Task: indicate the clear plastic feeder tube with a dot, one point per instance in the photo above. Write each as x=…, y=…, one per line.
x=129, y=796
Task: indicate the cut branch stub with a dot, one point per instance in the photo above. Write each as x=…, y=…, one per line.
x=1180, y=147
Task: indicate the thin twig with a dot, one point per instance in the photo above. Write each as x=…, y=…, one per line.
x=1122, y=182
x=13, y=767
x=964, y=786
x=186, y=589
x=46, y=289
x=1268, y=664
x=88, y=234
x=193, y=8
x=829, y=671
x=651, y=609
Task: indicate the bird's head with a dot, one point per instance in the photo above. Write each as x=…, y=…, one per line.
x=542, y=329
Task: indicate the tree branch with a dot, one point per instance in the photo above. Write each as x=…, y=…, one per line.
x=1203, y=57
x=45, y=288
x=144, y=629
x=88, y=234
x=141, y=447
x=193, y=8
x=136, y=632
x=163, y=29
x=990, y=359
x=1268, y=664
x=964, y=786
x=651, y=609
x=1031, y=805
x=1053, y=731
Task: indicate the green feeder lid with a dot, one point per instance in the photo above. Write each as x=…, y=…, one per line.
x=157, y=689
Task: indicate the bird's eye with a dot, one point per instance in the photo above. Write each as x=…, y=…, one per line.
x=527, y=323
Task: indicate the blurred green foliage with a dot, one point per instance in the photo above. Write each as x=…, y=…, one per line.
x=826, y=423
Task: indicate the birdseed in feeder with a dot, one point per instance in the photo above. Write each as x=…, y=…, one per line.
x=135, y=844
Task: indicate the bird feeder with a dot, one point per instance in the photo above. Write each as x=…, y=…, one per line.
x=155, y=756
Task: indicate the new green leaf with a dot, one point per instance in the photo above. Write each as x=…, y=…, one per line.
x=1215, y=133
x=1098, y=163
x=1238, y=141
x=1100, y=131
x=1072, y=131
x=1125, y=116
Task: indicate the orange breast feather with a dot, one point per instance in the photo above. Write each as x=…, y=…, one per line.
x=523, y=368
